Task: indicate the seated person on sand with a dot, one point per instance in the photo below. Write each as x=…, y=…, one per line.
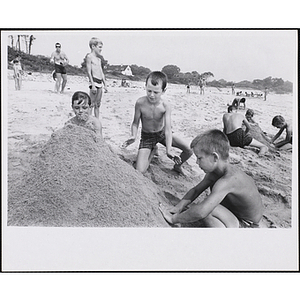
x=234, y=200
x=81, y=105
x=155, y=115
x=237, y=136
x=238, y=101
x=279, y=122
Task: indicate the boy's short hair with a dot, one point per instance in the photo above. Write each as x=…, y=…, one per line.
x=230, y=108
x=81, y=96
x=157, y=77
x=278, y=120
x=250, y=112
x=94, y=42
x=212, y=141
x=57, y=44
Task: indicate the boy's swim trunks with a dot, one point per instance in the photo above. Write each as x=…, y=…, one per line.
x=150, y=139
x=60, y=69
x=98, y=83
x=239, y=138
x=247, y=224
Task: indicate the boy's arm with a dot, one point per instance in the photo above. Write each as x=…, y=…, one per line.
x=66, y=59
x=134, y=125
x=289, y=132
x=192, y=194
x=224, y=123
x=89, y=72
x=277, y=135
x=201, y=210
x=248, y=126
x=98, y=126
x=168, y=130
x=52, y=58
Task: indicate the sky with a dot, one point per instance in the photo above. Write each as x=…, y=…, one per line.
x=233, y=55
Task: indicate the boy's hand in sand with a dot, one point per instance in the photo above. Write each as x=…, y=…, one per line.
x=176, y=159
x=166, y=214
x=105, y=89
x=128, y=142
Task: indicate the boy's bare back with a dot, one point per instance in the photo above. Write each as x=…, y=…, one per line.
x=242, y=197
x=232, y=121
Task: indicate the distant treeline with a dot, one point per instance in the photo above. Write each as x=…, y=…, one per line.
x=40, y=63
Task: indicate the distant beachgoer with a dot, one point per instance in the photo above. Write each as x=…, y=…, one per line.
x=265, y=94
x=202, y=86
x=18, y=72
x=155, y=114
x=237, y=136
x=60, y=60
x=81, y=105
x=234, y=200
x=279, y=122
x=188, y=89
x=233, y=89
x=95, y=74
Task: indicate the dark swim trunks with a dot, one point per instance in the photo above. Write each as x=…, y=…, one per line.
x=60, y=69
x=247, y=224
x=239, y=138
x=98, y=83
x=150, y=139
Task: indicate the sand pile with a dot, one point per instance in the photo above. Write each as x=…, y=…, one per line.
x=78, y=181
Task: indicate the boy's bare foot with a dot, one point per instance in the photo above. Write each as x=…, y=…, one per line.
x=177, y=168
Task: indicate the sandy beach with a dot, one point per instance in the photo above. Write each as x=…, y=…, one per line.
x=36, y=112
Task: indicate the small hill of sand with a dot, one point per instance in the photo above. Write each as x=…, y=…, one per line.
x=78, y=181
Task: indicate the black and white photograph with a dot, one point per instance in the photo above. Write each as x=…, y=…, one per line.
x=149, y=149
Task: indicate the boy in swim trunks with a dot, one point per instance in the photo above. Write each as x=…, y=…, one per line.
x=95, y=74
x=155, y=114
x=60, y=60
x=236, y=135
x=279, y=122
x=234, y=201
x=81, y=105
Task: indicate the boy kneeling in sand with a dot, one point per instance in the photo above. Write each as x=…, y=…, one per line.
x=155, y=114
x=234, y=200
x=81, y=105
x=279, y=122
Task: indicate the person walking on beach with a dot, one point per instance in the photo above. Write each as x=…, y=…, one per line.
x=237, y=137
x=18, y=72
x=60, y=60
x=95, y=74
x=234, y=200
x=155, y=114
x=202, y=86
x=265, y=94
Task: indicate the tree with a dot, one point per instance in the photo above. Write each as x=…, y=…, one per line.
x=171, y=71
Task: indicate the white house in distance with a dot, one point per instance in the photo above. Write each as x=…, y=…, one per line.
x=127, y=71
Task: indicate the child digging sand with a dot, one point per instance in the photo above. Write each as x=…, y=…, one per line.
x=234, y=200
x=155, y=114
x=81, y=105
x=279, y=122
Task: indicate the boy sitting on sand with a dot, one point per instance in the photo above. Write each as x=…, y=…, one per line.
x=81, y=105
x=95, y=74
x=279, y=122
x=234, y=200
x=155, y=114
x=237, y=136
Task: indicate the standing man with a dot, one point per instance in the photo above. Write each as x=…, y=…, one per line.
x=60, y=60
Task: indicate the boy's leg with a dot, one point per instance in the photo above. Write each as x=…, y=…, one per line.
x=64, y=82
x=262, y=148
x=58, y=81
x=221, y=217
x=143, y=159
x=181, y=144
x=98, y=102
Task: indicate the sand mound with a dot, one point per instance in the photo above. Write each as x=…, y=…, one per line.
x=78, y=181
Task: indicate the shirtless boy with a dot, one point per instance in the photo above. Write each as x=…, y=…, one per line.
x=155, y=114
x=18, y=72
x=236, y=135
x=81, y=105
x=95, y=74
x=60, y=60
x=279, y=122
x=234, y=200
